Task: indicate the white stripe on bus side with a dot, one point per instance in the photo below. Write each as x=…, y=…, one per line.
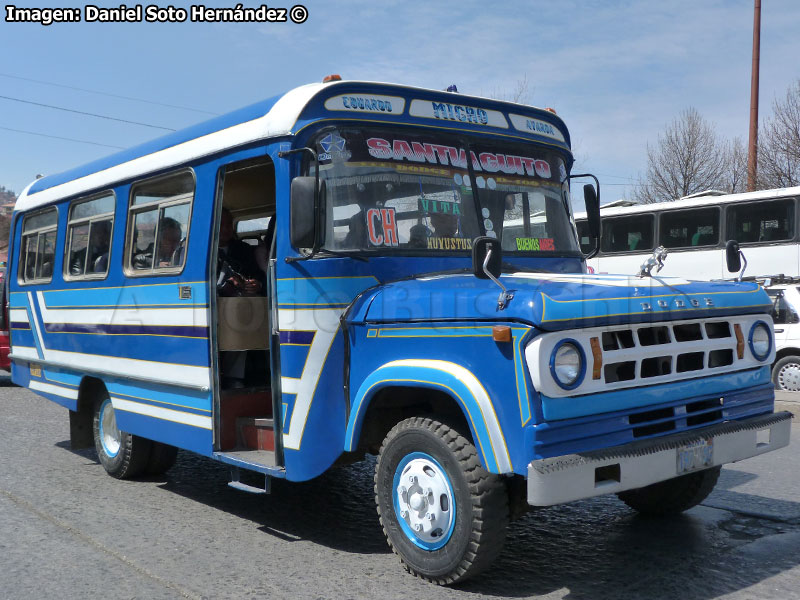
x=157, y=412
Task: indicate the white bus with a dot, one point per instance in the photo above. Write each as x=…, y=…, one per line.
x=695, y=229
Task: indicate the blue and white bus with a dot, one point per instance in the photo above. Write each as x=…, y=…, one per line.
x=355, y=267
x=695, y=229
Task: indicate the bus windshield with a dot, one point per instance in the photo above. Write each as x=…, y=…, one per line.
x=399, y=190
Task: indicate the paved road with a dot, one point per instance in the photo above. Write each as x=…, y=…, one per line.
x=67, y=530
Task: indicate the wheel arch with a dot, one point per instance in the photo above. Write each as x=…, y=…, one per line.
x=80, y=421
x=400, y=389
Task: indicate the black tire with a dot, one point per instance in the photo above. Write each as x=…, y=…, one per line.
x=672, y=496
x=127, y=460
x=162, y=457
x=476, y=534
x=787, y=381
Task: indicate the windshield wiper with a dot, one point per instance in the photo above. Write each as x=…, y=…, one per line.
x=323, y=252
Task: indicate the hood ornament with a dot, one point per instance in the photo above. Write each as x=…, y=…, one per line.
x=659, y=254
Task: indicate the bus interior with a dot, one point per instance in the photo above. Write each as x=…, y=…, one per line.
x=244, y=413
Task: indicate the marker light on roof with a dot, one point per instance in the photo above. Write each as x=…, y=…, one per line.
x=452, y=88
x=329, y=78
x=552, y=110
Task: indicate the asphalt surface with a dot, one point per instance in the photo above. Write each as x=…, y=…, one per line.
x=67, y=530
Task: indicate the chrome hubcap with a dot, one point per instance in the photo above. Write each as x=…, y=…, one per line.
x=109, y=434
x=424, y=501
x=789, y=377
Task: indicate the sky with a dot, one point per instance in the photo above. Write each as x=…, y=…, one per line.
x=617, y=71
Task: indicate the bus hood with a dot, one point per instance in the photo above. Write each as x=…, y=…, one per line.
x=552, y=301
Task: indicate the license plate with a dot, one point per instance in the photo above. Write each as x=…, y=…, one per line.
x=694, y=456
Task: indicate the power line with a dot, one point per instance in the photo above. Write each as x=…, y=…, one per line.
x=72, y=87
x=80, y=112
x=616, y=176
x=57, y=137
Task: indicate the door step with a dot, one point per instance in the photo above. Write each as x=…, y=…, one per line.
x=236, y=484
x=255, y=433
x=261, y=461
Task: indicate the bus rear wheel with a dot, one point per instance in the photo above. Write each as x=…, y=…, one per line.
x=442, y=513
x=122, y=454
x=672, y=496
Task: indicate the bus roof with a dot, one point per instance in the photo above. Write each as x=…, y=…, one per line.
x=276, y=117
x=695, y=202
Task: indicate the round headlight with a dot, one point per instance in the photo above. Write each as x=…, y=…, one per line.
x=568, y=364
x=760, y=340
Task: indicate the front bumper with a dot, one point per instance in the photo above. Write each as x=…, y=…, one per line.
x=610, y=470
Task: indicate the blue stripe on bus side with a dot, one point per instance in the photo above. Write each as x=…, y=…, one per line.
x=160, y=395
x=175, y=350
x=168, y=432
x=98, y=329
x=138, y=296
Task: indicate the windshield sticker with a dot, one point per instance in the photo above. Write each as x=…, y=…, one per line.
x=449, y=243
x=490, y=162
x=536, y=244
x=370, y=103
x=382, y=227
x=439, y=207
x=457, y=112
x=530, y=125
x=334, y=146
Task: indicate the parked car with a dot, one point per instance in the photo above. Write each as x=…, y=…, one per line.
x=5, y=346
x=786, y=315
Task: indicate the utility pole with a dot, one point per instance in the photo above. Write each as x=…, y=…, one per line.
x=752, y=148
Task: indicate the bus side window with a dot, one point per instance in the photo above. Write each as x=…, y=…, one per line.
x=159, y=224
x=762, y=221
x=89, y=237
x=685, y=228
x=627, y=234
x=39, y=232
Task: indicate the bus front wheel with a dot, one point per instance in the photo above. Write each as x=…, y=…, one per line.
x=122, y=454
x=442, y=513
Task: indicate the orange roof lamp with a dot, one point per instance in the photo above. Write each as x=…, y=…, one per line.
x=329, y=78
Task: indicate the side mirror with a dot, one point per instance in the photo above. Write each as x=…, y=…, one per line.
x=303, y=232
x=592, y=216
x=732, y=256
x=481, y=247
x=591, y=198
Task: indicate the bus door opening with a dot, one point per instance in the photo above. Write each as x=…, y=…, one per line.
x=245, y=415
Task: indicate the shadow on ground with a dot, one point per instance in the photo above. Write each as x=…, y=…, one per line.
x=588, y=550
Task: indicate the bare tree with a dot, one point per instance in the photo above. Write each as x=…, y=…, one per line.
x=520, y=93
x=734, y=177
x=779, y=143
x=688, y=158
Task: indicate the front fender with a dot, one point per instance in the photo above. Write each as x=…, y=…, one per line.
x=453, y=379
